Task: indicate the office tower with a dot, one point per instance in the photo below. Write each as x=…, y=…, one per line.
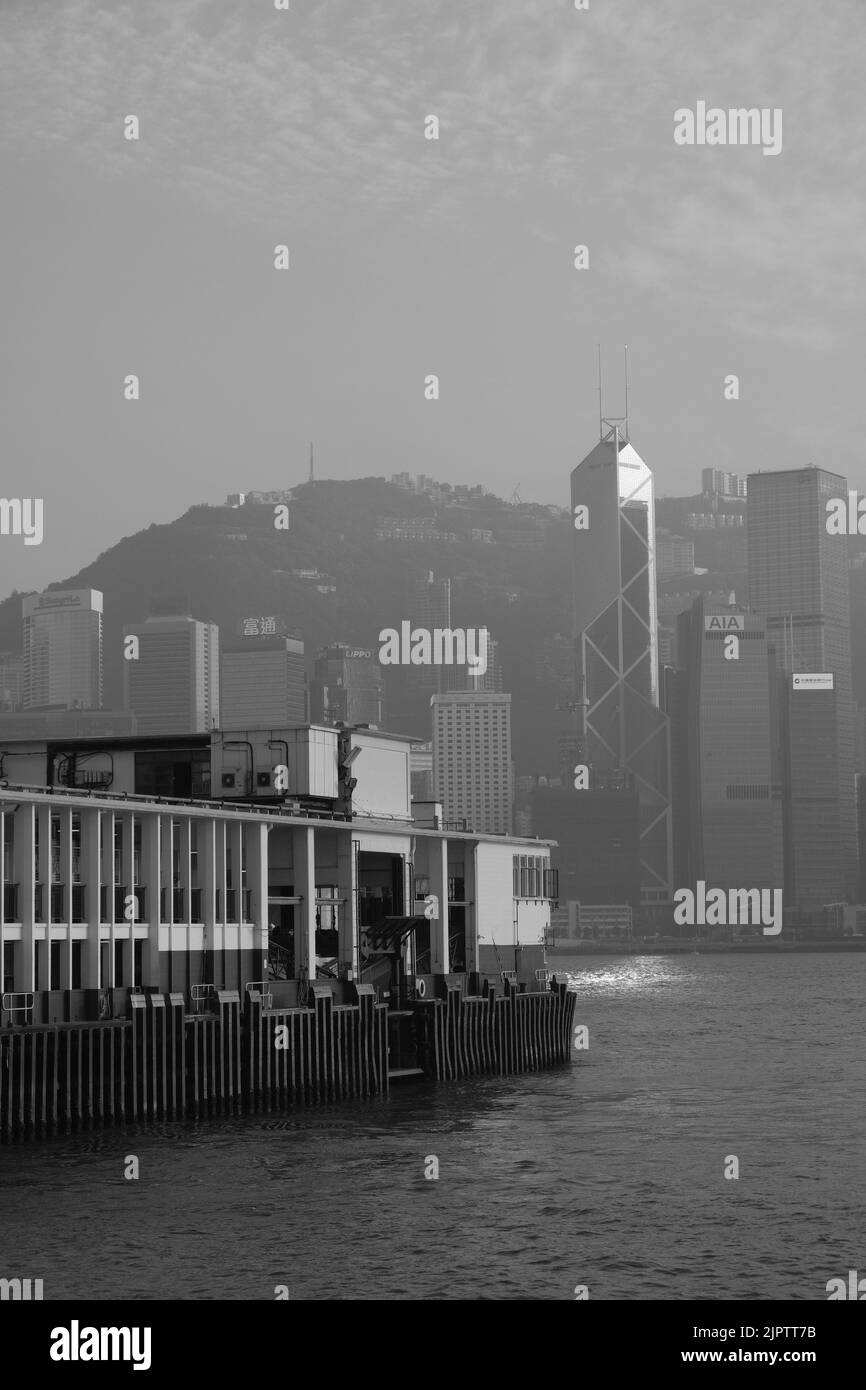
x=262, y=683
x=798, y=578
x=621, y=727
x=464, y=678
x=173, y=685
x=347, y=687
x=472, y=770
x=11, y=681
x=597, y=834
x=429, y=606
x=727, y=807
x=63, y=649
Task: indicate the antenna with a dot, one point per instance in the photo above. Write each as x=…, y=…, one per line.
x=625, y=353
x=600, y=421
x=312, y=474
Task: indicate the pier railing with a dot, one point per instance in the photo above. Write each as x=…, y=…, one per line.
x=164, y=1062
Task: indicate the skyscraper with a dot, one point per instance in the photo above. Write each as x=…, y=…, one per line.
x=63, y=649
x=347, y=687
x=262, y=683
x=616, y=657
x=727, y=808
x=472, y=769
x=172, y=687
x=466, y=678
x=798, y=578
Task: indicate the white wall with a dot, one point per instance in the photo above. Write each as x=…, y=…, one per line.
x=494, y=892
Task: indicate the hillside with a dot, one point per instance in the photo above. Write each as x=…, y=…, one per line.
x=225, y=564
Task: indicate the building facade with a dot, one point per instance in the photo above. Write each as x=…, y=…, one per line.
x=473, y=775
x=63, y=649
x=616, y=645
x=172, y=686
x=104, y=891
x=347, y=687
x=727, y=796
x=263, y=682
x=798, y=579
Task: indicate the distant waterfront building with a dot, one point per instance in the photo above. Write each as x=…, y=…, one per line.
x=473, y=775
x=63, y=649
x=347, y=687
x=616, y=641
x=173, y=686
x=727, y=806
x=798, y=578
x=262, y=682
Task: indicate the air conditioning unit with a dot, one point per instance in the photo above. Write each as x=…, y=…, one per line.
x=263, y=779
x=228, y=779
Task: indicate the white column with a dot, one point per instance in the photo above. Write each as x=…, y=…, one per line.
x=109, y=873
x=471, y=910
x=184, y=867
x=151, y=853
x=437, y=858
x=348, y=910
x=91, y=821
x=25, y=873
x=66, y=881
x=257, y=872
x=304, y=876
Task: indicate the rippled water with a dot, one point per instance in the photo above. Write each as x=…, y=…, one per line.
x=608, y=1174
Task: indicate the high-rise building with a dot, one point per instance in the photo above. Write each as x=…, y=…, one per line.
x=262, y=683
x=597, y=835
x=347, y=687
x=172, y=686
x=727, y=807
x=429, y=606
x=11, y=681
x=63, y=649
x=473, y=776
x=616, y=649
x=798, y=578
x=466, y=678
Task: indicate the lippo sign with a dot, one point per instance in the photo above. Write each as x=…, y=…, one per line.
x=813, y=681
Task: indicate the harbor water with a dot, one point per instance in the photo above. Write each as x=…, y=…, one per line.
x=609, y=1174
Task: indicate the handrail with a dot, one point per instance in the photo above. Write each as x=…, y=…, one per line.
x=24, y=1008
x=263, y=987
x=199, y=994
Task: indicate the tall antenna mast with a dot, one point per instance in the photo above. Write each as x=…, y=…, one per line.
x=312, y=475
x=600, y=421
x=626, y=390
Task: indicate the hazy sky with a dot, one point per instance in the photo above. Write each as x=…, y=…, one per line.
x=412, y=256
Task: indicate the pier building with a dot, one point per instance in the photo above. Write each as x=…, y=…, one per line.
x=173, y=906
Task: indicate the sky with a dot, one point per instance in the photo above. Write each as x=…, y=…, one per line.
x=411, y=257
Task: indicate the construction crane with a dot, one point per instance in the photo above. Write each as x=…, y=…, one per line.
x=515, y=497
